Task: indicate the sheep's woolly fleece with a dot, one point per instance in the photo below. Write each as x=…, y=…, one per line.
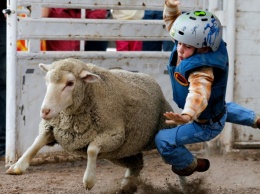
x=122, y=102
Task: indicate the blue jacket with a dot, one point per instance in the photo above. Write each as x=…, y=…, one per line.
x=179, y=76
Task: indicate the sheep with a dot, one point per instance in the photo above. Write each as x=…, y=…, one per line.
x=99, y=114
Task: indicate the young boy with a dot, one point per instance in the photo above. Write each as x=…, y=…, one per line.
x=198, y=70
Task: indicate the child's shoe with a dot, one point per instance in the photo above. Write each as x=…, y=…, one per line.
x=199, y=165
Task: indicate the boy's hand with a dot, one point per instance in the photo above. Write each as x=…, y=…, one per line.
x=172, y=2
x=175, y=118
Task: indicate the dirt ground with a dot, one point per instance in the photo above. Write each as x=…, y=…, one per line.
x=233, y=173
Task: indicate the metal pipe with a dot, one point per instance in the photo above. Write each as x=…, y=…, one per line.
x=230, y=5
x=11, y=66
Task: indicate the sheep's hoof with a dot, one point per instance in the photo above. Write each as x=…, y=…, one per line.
x=14, y=171
x=89, y=185
x=129, y=185
x=129, y=181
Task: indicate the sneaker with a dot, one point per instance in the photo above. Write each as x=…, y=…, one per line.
x=202, y=165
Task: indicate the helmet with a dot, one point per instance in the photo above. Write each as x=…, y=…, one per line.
x=198, y=29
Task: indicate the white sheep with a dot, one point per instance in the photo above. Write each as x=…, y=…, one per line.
x=99, y=113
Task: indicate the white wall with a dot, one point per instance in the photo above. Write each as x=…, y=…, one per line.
x=247, y=64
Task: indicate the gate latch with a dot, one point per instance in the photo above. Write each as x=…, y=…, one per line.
x=7, y=11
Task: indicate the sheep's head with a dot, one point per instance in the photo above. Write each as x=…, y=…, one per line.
x=65, y=81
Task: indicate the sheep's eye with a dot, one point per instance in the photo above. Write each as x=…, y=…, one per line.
x=70, y=83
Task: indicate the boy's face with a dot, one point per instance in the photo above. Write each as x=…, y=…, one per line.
x=184, y=50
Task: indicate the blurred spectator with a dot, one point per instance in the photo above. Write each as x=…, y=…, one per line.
x=128, y=15
x=97, y=45
x=74, y=45
x=156, y=45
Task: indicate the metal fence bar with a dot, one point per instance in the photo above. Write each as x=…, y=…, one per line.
x=91, y=29
x=111, y=4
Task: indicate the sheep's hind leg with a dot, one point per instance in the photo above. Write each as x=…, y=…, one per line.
x=134, y=165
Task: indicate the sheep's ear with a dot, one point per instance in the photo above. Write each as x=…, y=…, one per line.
x=89, y=77
x=44, y=67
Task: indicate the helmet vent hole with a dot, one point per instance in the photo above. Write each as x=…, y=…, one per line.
x=181, y=33
x=204, y=19
x=192, y=18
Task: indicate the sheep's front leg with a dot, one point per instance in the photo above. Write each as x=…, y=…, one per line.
x=23, y=163
x=107, y=142
x=89, y=178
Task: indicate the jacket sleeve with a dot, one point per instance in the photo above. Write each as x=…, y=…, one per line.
x=199, y=91
x=170, y=14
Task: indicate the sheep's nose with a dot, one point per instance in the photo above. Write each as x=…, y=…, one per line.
x=45, y=112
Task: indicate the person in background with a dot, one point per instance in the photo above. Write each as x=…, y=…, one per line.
x=74, y=45
x=21, y=45
x=128, y=15
x=97, y=45
x=198, y=69
x=164, y=45
x=2, y=79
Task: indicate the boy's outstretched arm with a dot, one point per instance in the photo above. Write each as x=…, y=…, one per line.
x=171, y=12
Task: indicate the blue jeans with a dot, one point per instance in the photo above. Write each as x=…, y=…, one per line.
x=240, y=115
x=170, y=142
x=2, y=85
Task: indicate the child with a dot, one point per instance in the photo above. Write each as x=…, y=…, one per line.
x=198, y=70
